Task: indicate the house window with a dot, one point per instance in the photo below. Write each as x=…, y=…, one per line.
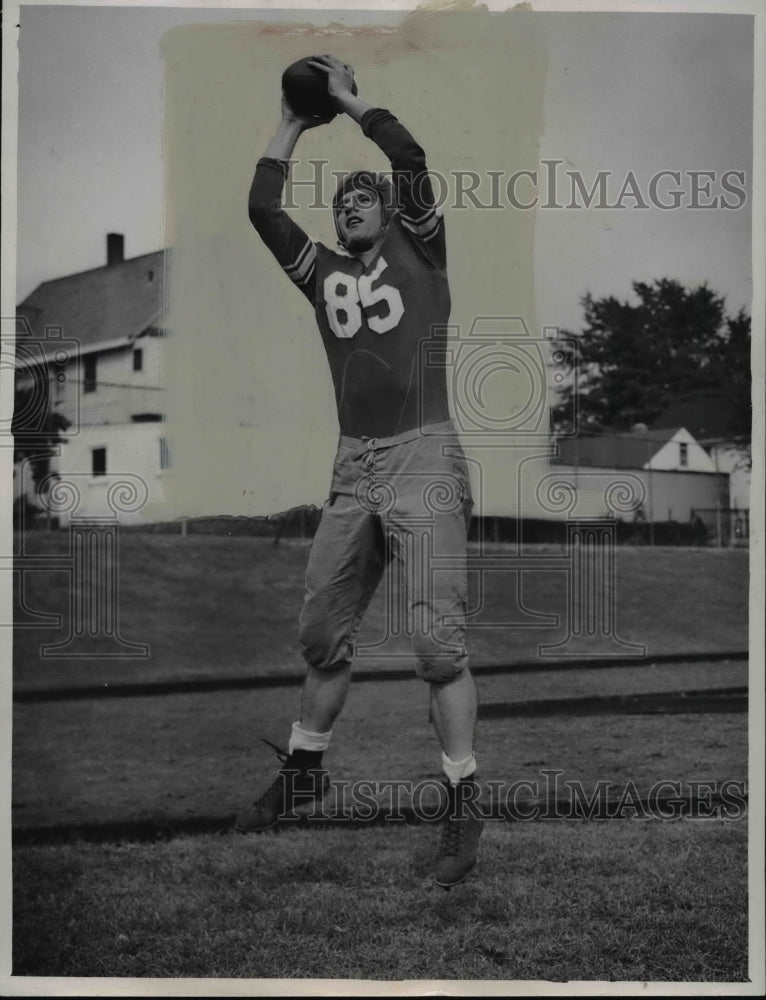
x=89, y=373
x=164, y=456
x=683, y=457
x=98, y=461
x=138, y=359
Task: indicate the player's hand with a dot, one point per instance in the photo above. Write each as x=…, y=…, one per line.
x=340, y=76
x=303, y=121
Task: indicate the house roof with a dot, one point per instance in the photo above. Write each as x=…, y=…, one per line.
x=112, y=304
x=628, y=450
x=705, y=415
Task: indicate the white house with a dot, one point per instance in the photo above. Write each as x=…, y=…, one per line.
x=706, y=416
x=95, y=339
x=653, y=475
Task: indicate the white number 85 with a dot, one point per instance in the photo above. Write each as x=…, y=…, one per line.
x=345, y=295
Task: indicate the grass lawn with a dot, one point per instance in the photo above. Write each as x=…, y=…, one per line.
x=191, y=754
x=638, y=900
x=634, y=900
x=216, y=606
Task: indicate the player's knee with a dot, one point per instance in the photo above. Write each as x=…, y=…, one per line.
x=323, y=646
x=438, y=662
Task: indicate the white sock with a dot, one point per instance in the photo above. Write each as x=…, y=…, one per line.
x=457, y=769
x=305, y=739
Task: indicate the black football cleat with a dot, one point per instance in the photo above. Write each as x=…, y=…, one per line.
x=461, y=829
x=294, y=789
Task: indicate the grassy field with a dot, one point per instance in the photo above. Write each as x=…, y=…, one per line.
x=179, y=755
x=630, y=901
x=621, y=900
x=215, y=606
x=641, y=900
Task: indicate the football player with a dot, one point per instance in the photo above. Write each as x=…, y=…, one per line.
x=400, y=489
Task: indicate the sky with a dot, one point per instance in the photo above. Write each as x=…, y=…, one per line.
x=624, y=92
x=646, y=93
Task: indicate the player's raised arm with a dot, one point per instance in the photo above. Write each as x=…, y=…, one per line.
x=292, y=248
x=419, y=212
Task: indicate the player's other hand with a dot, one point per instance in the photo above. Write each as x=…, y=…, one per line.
x=304, y=121
x=340, y=76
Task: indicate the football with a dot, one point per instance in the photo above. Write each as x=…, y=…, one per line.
x=306, y=90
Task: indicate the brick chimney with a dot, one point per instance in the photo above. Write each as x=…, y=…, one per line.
x=115, y=248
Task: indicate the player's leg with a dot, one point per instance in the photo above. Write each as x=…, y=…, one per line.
x=323, y=696
x=428, y=532
x=428, y=535
x=344, y=568
x=453, y=713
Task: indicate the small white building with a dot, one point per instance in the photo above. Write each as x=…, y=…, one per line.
x=94, y=342
x=707, y=417
x=652, y=475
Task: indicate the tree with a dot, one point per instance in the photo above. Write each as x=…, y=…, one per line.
x=36, y=427
x=637, y=359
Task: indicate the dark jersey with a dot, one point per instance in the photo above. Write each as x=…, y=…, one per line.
x=376, y=321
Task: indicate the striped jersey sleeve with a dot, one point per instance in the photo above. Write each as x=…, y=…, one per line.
x=294, y=250
x=303, y=269
x=425, y=226
x=420, y=215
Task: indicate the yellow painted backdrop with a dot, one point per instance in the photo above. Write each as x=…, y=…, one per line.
x=252, y=425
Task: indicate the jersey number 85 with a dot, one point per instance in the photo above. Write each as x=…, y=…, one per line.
x=347, y=297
